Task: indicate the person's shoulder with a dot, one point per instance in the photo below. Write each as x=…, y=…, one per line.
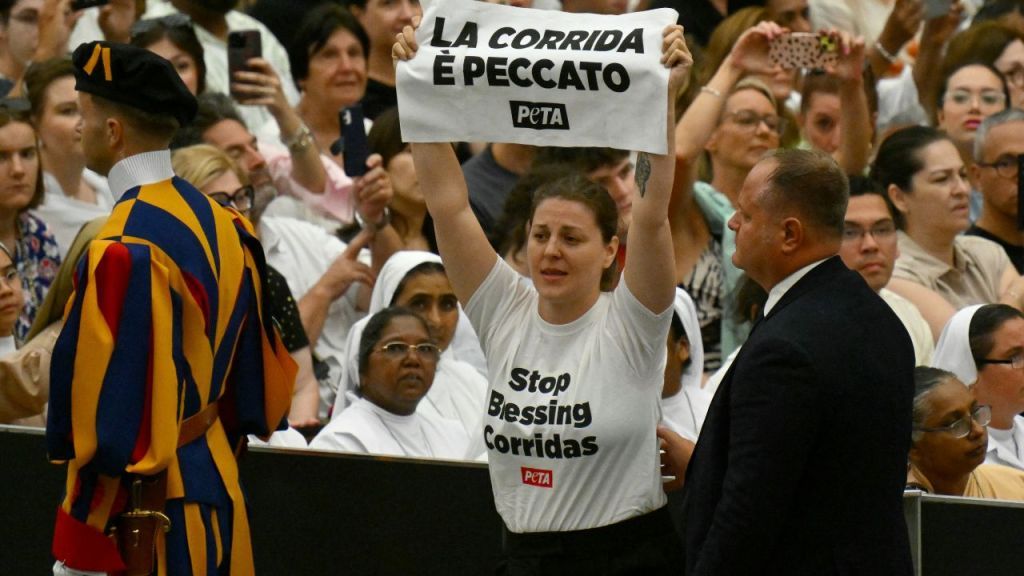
x=33, y=226
x=1000, y=471
x=899, y=304
x=979, y=249
x=827, y=299
x=975, y=243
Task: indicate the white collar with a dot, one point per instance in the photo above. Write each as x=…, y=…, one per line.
x=144, y=168
x=780, y=289
x=1007, y=443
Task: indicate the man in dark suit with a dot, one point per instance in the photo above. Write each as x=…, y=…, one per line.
x=800, y=465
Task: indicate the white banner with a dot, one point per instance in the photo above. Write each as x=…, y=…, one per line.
x=492, y=73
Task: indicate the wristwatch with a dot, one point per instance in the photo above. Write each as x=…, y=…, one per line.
x=300, y=140
x=385, y=221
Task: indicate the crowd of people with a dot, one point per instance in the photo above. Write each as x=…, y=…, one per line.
x=532, y=307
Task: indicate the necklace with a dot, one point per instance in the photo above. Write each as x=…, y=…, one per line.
x=402, y=446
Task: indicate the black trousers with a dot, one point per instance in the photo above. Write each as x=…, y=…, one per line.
x=644, y=546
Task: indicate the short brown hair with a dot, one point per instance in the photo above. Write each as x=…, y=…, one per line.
x=157, y=126
x=811, y=182
x=38, y=78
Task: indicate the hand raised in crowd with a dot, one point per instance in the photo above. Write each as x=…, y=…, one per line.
x=116, y=19
x=260, y=87
x=347, y=269
x=750, y=53
x=373, y=190
x=675, y=55
x=405, y=42
x=850, y=49
x=941, y=29
x=56, y=20
x=676, y=452
x=902, y=24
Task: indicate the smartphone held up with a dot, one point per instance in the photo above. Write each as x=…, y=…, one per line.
x=804, y=50
x=242, y=46
x=354, y=148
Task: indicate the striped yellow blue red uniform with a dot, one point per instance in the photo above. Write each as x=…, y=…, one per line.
x=167, y=316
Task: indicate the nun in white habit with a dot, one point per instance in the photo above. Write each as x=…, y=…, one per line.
x=953, y=353
x=459, y=390
x=398, y=362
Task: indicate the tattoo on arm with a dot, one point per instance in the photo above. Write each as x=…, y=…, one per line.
x=643, y=172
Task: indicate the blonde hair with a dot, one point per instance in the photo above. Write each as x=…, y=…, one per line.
x=757, y=85
x=202, y=163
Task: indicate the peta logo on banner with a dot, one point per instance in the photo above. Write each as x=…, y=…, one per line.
x=536, y=477
x=539, y=115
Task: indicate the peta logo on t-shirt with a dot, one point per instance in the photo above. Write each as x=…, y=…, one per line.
x=536, y=477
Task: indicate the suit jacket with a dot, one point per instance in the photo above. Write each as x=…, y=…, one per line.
x=802, y=460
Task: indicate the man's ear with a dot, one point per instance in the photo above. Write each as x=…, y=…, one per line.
x=792, y=231
x=115, y=133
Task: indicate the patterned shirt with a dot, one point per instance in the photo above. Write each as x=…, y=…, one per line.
x=37, y=260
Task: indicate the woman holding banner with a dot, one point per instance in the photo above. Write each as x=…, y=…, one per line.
x=575, y=373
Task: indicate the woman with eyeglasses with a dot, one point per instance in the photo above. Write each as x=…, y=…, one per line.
x=970, y=93
x=984, y=346
x=74, y=194
x=417, y=280
x=733, y=121
x=949, y=442
x=995, y=42
x=214, y=173
x=36, y=253
x=939, y=269
x=398, y=360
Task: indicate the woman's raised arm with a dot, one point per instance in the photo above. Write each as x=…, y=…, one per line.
x=650, y=262
x=467, y=255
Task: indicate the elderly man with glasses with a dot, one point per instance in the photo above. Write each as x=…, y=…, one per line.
x=997, y=146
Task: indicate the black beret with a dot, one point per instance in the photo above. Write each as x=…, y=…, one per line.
x=134, y=77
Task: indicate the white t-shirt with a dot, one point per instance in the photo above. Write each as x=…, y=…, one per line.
x=685, y=411
x=366, y=428
x=302, y=252
x=571, y=409
x=920, y=333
